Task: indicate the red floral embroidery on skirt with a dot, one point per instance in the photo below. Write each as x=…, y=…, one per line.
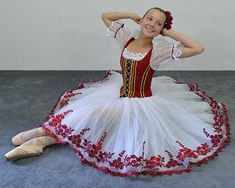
x=88, y=149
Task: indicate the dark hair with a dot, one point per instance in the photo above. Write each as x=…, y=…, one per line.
x=167, y=14
x=156, y=8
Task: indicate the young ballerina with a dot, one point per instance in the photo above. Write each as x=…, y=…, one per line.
x=133, y=123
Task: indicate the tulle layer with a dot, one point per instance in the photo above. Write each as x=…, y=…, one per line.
x=167, y=133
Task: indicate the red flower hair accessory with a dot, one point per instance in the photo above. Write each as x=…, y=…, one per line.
x=169, y=20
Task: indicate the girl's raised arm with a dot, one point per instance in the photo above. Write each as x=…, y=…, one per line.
x=108, y=17
x=190, y=46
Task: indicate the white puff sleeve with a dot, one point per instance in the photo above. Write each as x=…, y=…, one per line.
x=164, y=52
x=118, y=31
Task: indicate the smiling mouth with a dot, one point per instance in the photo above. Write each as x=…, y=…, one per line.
x=149, y=29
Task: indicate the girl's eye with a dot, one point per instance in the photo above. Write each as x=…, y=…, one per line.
x=159, y=24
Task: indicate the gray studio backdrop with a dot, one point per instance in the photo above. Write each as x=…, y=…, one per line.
x=69, y=34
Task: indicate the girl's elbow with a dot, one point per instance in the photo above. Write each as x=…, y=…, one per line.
x=200, y=49
x=103, y=16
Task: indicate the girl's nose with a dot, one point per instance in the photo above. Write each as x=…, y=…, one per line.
x=151, y=23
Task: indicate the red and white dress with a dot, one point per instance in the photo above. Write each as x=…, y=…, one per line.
x=132, y=123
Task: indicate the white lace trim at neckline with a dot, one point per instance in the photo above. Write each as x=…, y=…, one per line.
x=133, y=56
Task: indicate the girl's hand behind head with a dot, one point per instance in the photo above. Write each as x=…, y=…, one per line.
x=164, y=32
x=135, y=17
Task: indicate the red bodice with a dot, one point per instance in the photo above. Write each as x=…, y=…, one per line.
x=137, y=76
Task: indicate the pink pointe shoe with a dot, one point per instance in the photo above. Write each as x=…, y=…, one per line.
x=30, y=148
x=27, y=135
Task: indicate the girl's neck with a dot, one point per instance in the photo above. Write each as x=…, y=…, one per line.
x=143, y=41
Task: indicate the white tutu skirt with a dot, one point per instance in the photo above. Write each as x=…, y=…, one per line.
x=167, y=133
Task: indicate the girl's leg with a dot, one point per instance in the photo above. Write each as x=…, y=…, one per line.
x=28, y=135
x=32, y=147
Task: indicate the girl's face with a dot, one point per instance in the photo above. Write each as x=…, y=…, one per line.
x=152, y=23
